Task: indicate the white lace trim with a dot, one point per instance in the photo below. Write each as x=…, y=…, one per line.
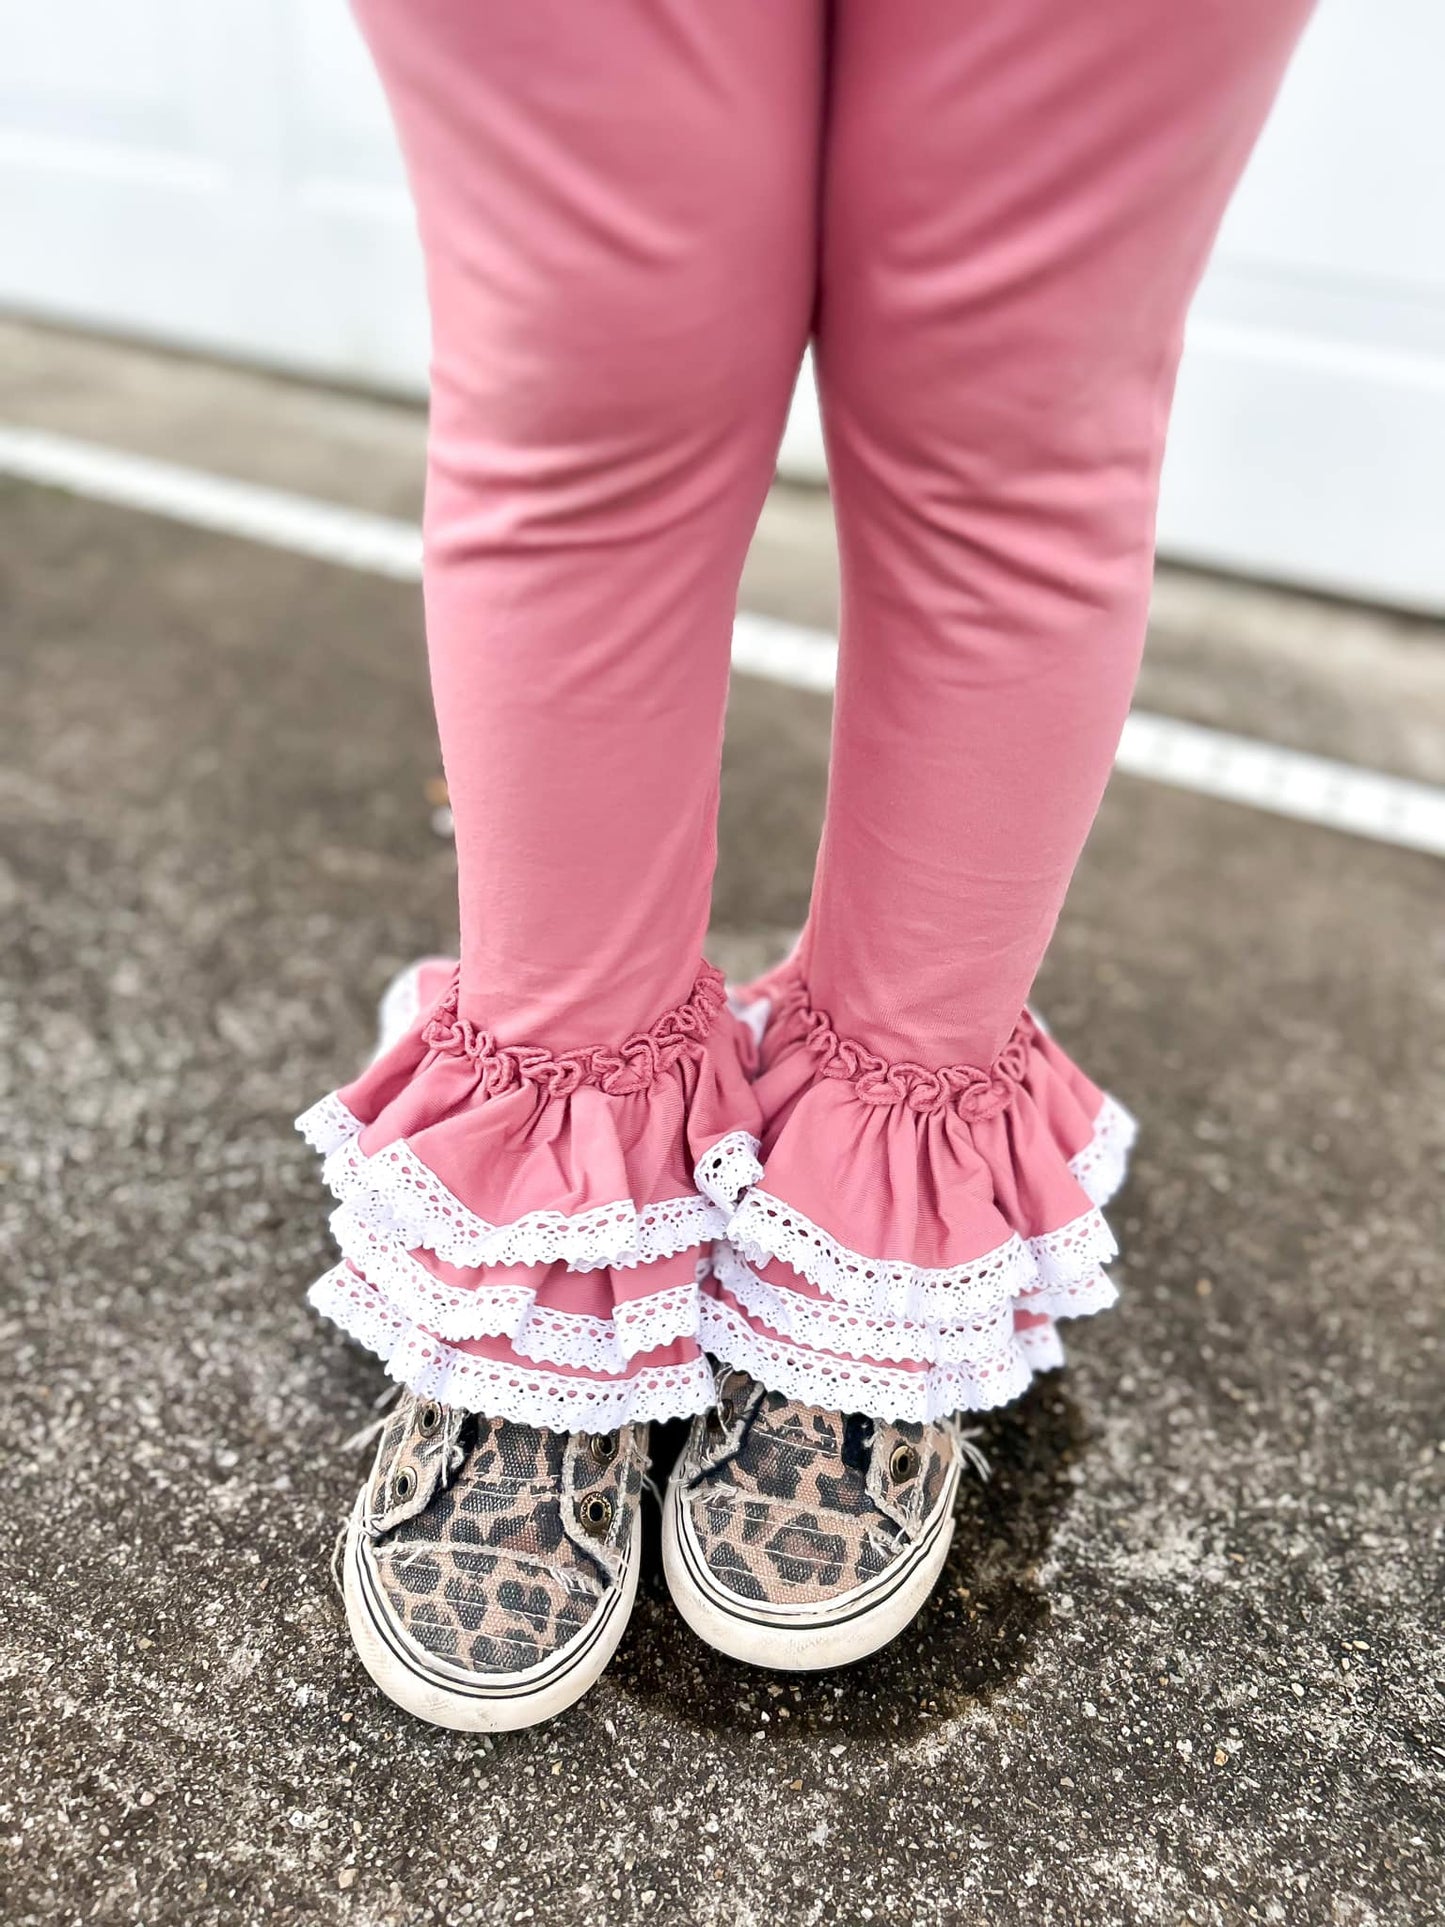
x=508, y=1389
x=327, y=1125
x=396, y=1198
x=538, y=1332
x=953, y=1324
x=1062, y=1262
x=854, y=1385
x=396, y=1193
x=860, y=1335
x=725, y=1172
x=1100, y=1167
x=519, y=1390
x=1062, y=1265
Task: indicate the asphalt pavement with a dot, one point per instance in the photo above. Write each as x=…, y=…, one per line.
x=1186, y=1661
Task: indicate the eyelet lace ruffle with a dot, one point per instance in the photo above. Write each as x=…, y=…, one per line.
x=823, y=1324
x=511, y=1388
x=509, y=1217
x=864, y=1385
x=560, y=1239
x=1049, y=1268
x=507, y=1309
x=916, y=1233
x=396, y=1191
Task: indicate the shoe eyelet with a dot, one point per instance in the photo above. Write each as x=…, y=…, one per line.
x=428, y=1418
x=603, y=1447
x=721, y=1419
x=403, y=1486
x=594, y=1513
x=903, y=1463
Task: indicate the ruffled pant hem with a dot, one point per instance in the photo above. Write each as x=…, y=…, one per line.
x=577, y=1258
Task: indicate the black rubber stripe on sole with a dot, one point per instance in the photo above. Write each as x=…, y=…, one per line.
x=461, y=1689
x=725, y=1603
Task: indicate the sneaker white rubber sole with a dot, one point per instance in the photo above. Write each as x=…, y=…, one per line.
x=429, y=1688
x=804, y=1638
x=400, y=1005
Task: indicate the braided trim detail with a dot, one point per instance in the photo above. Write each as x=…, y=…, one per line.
x=618, y=1071
x=975, y=1091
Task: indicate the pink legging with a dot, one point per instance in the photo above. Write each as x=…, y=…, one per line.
x=989, y=218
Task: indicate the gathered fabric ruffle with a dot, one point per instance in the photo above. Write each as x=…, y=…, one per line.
x=566, y=1240
x=486, y=1155
x=492, y=1375
x=523, y=1232
x=916, y=1233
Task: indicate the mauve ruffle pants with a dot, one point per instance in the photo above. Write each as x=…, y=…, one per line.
x=576, y=1169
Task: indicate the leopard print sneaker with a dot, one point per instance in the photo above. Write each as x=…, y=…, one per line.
x=800, y=1539
x=490, y=1568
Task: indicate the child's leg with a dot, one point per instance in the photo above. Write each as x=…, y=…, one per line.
x=618, y=209
x=1018, y=199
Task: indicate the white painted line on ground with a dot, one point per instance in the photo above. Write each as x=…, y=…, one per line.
x=1285, y=782
x=378, y=544
x=1263, y=776
x=785, y=652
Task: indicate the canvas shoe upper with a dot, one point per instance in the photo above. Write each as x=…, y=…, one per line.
x=799, y=1538
x=490, y=1568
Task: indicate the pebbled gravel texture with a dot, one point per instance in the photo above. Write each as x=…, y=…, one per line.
x=1185, y=1662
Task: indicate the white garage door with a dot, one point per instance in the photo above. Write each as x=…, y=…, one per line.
x=223, y=175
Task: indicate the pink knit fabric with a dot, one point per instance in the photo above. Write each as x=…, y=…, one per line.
x=574, y=1173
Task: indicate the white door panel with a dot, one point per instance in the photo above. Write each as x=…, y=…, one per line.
x=1309, y=429
x=222, y=173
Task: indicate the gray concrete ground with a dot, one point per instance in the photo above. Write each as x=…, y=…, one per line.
x=1186, y=1661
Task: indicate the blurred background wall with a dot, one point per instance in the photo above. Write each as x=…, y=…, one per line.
x=221, y=174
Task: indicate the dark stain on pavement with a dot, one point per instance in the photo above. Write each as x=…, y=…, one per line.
x=974, y=1637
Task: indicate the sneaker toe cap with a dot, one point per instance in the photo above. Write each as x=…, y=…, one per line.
x=485, y=1611
x=766, y=1550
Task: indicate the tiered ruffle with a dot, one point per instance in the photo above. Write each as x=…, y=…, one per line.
x=523, y=1232
x=916, y=1233
x=562, y=1239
